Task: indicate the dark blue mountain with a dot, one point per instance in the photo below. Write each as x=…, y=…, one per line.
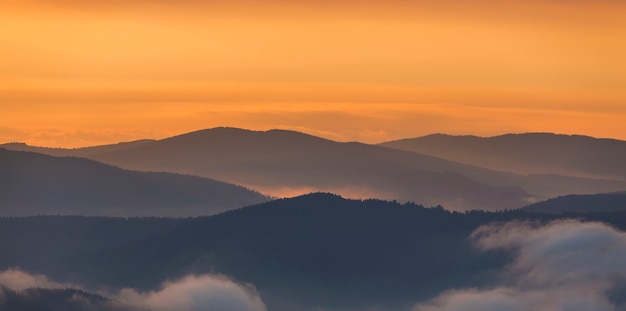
x=37, y=184
x=314, y=252
x=577, y=203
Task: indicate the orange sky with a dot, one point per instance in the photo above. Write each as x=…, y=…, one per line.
x=75, y=73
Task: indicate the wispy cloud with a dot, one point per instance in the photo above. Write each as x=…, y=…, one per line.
x=197, y=293
x=564, y=265
x=191, y=293
x=18, y=280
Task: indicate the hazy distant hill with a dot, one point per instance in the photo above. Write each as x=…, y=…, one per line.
x=287, y=163
x=315, y=252
x=604, y=202
x=35, y=184
x=75, y=152
x=531, y=153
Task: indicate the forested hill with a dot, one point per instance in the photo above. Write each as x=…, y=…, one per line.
x=312, y=252
x=37, y=184
x=581, y=203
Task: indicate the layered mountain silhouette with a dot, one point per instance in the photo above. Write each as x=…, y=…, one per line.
x=76, y=152
x=34, y=184
x=317, y=251
x=530, y=153
x=314, y=252
x=286, y=163
x=575, y=203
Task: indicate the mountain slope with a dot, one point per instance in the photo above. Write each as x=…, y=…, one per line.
x=591, y=203
x=287, y=163
x=35, y=184
x=292, y=250
x=315, y=252
x=530, y=153
x=26, y=241
x=75, y=152
x=40, y=299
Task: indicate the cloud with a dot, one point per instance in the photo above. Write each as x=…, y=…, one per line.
x=19, y=280
x=191, y=293
x=564, y=265
x=197, y=293
x=562, y=252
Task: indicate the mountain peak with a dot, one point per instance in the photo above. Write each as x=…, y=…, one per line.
x=234, y=134
x=17, y=146
x=319, y=196
x=14, y=144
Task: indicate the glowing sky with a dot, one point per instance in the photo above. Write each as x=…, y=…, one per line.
x=75, y=73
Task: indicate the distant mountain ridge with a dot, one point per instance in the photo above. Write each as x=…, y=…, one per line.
x=577, y=203
x=37, y=184
x=286, y=163
x=529, y=153
x=75, y=152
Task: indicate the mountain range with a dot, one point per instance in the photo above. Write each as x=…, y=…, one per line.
x=245, y=251
x=314, y=252
x=286, y=163
x=317, y=251
x=529, y=153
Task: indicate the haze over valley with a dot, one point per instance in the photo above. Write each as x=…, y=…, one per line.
x=309, y=252
x=312, y=155
x=285, y=163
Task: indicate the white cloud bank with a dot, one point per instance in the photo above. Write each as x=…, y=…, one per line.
x=197, y=293
x=18, y=280
x=191, y=293
x=566, y=265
